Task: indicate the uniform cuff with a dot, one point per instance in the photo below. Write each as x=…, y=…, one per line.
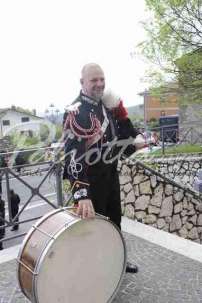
x=80, y=190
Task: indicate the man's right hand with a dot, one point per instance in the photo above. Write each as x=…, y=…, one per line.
x=85, y=209
x=139, y=142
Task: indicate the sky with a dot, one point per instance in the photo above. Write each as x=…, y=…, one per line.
x=45, y=43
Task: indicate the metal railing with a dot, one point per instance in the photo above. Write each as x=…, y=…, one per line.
x=175, y=135
x=45, y=169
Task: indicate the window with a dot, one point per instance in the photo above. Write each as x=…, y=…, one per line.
x=6, y=122
x=25, y=119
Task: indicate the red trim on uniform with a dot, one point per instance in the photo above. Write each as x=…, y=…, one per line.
x=79, y=131
x=120, y=112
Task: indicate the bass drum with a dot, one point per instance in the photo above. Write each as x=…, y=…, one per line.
x=70, y=260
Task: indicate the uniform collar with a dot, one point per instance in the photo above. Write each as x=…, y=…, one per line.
x=89, y=99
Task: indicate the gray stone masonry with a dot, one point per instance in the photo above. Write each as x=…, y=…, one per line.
x=181, y=168
x=156, y=200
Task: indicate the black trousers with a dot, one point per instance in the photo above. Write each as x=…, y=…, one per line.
x=2, y=234
x=14, y=211
x=0, y=185
x=105, y=191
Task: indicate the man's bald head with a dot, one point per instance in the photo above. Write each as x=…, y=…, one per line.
x=92, y=81
x=90, y=67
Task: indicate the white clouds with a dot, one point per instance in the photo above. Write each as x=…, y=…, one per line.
x=45, y=43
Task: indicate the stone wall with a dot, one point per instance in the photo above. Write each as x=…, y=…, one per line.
x=181, y=168
x=154, y=199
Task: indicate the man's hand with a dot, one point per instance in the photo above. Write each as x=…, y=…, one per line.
x=85, y=209
x=139, y=142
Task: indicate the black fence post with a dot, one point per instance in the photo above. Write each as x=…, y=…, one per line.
x=8, y=193
x=58, y=177
x=163, y=141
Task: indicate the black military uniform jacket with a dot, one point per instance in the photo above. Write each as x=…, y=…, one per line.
x=91, y=136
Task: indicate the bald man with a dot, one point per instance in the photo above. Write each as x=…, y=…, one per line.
x=91, y=133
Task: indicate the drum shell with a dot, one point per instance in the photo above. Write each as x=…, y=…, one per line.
x=36, y=242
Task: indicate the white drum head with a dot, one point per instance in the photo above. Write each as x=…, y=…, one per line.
x=84, y=264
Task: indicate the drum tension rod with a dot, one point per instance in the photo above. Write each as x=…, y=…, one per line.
x=101, y=216
x=28, y=268
x=43, y=232
x=68, y=223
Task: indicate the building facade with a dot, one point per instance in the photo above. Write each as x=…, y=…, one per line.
x=154, y=107
x=22, y=122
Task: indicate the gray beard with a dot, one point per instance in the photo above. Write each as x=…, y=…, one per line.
x=95, y=98
x=98, y=98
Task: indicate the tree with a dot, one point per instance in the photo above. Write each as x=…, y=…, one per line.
x=190, y=76
x=174, y=44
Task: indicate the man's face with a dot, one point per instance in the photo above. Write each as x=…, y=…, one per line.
x=93, y=82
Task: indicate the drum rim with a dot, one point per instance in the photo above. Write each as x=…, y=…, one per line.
x=44, y=253
x=124, y=263
x=45, y=250
x=26, y=238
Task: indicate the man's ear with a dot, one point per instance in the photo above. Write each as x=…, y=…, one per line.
x=81, y=81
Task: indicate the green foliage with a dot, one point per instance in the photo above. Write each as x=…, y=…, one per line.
x=36, y=156
x=31, y=141
x=44, y=132
x=23, y=141
x=179, y=149
x=58, y=134
x=174, y=30
x=153, y=123
x=50, y=132
x=190, y=76
x=136, y=120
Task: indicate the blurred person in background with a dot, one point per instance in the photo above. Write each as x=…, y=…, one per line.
x=2, y=217
x=15, y=201
x=3, y=164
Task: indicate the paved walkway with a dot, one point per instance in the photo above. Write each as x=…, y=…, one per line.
x=165, y=276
